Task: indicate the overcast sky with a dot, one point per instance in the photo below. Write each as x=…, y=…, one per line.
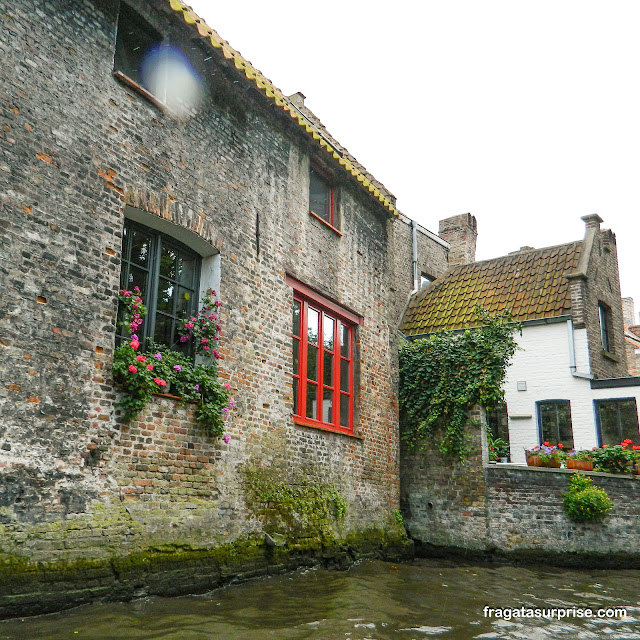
x=527, y=115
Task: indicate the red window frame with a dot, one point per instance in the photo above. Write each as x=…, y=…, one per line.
x=323, y=337
x=321, y=180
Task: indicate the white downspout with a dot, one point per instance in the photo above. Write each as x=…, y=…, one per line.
x=414, y=254
x=572, y=354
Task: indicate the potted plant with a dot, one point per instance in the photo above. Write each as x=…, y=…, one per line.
x=498, y=448
x=581, y=460
x=617, y=458
x=545, y=455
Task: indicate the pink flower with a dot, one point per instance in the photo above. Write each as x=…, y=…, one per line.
x=188, y=325
x=225, y=410
x=177, y=367
x=197, y=387
x=133, y=369
x=206, y=348
x=150, y=367
x=203, y=340
x=216, y=355
x=136, y=289
x=226, y=385
x=134, y=337
x=141, y=358
x=184, y=338
x=226, y=438
x=160, y=382
x=231, y=401
x=158, y=356
x=134, y=344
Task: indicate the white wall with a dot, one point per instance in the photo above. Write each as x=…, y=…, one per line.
x=544, y=364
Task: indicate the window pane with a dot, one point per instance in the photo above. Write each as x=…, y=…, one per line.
x=327, y=406
x=555, y=422
x=296, y=356
x=140, y=248
x=344, y=410
x=319, y=196
x=296, y=318
x=608, y=417
x=312, y=363
x=186, y=270
x=166, y=298
x=328, y=325
x=629, y=420
x=162, y=333
x=313, y=319
x=295, y=396
x=137, y=278
x=312, y=391
x=168, y=262
x=185, y=302
x=344, y=375
x=327, y=374
x=344, y=341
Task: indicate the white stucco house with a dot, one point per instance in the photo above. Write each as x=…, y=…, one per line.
x=568, y=382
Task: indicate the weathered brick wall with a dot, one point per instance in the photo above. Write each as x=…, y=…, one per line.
x=444, y=502
x=513, y=510
x=603, y=285
x=76, y=148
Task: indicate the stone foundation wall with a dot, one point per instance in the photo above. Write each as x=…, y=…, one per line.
x=501, y=510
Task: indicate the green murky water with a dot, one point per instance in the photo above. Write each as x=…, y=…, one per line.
x=372, y=601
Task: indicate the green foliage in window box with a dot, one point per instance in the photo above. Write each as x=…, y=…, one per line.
x=584, y=502
x=157, y=369
x=616, y=458
x=444, y=376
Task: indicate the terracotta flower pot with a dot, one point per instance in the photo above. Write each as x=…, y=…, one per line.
x=636, y=469
x=553, y=463
x=580, y=465
x=534, y=461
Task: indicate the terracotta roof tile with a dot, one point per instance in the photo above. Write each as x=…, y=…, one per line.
x=530, y=284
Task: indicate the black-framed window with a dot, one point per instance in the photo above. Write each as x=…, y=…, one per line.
x=604, y=313
x=617, y=420
x=554, y=422
x=168, y=274
x=498, y=422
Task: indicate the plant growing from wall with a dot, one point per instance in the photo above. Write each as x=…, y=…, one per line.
x=294, y=504
x=584, y=502
x=445, y=375
x=142, y=372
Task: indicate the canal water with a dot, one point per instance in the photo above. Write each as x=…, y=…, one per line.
x=374, y=600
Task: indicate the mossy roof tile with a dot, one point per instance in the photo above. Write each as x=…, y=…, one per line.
x=530, y=284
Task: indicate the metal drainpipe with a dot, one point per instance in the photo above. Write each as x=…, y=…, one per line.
x=572, y=354
x=414, y=250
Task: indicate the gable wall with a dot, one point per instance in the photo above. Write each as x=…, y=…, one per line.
x=77, y=146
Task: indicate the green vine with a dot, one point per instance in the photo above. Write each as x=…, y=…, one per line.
x=444, y=376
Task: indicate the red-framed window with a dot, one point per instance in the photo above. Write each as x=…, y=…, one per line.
x=323, y=356
x=321, y=197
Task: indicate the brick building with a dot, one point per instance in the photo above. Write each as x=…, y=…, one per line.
x=103, y=165
x=569, y=381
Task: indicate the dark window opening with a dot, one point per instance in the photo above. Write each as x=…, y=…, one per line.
x=605, y=326
x=168, y=274
x=617, y=420
x=321, y=197
x=135, y=39
x=554, y=422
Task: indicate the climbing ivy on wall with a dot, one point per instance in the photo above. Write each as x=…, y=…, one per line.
x=443, y=376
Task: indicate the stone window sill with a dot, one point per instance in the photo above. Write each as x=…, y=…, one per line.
x=609, y=356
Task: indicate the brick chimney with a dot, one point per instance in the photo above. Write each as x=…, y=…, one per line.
x=628, y=311
x=461, y=233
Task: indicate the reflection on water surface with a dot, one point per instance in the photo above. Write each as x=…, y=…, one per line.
x=372, y=601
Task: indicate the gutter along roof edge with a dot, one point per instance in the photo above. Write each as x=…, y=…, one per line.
x=274, y=94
